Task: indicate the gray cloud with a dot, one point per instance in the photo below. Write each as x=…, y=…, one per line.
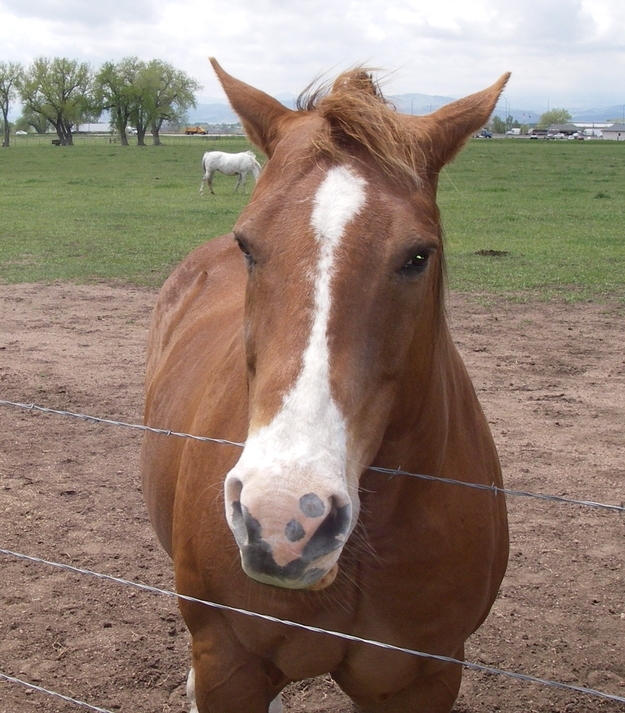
x=558, y=50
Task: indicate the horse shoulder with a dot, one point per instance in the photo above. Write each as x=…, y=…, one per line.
x=194, y=343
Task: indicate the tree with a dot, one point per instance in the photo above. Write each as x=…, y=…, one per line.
x=30, y=120
x=499, y=126
x=554, y=116
x=144, y=95
x=10, y=76
x=169, y=94
x=140, y=114
x=60, y=90
x=117, y=90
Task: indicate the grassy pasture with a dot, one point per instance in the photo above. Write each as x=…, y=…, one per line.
x=547, y=217
x=557, y=208
x=100, y=211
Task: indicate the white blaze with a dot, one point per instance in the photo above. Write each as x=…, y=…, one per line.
x=309, y=432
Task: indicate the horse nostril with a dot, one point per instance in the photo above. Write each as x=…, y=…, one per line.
x=246, y=529
x=331, y=533
x=233, y=488
x=238, y=523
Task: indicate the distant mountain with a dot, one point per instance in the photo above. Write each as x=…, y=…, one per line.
x=212, y=114
x=217, y=111
x=531, y=116
x=418, y=104
x=609, y=113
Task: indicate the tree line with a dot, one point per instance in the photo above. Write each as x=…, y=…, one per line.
x=554, y=116
x=64, y=93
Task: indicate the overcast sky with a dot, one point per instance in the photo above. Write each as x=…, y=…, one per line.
x=562, y=53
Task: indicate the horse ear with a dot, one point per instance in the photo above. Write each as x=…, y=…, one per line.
x=262, y=116
x=446, y=130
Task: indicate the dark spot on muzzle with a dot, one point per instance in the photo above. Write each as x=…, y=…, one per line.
x=294, y=532
x=311, y=505
x=257, y=554
x=330, y=535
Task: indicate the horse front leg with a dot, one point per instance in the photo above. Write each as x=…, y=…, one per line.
x=436, y=693
x=226, y=678
x=274, y=707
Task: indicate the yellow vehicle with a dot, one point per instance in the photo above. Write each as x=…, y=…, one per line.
x=194, y=130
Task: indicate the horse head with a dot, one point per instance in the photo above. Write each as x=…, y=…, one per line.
x=344, y=318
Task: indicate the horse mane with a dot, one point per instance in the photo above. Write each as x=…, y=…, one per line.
x=357, y=113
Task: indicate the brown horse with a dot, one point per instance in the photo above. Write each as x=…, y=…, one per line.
x=316, y=333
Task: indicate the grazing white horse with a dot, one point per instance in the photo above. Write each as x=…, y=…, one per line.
x=230, y=164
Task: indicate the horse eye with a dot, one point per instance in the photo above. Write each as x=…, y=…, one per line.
x=417, y=263
x=242, y=247
x=246, y=252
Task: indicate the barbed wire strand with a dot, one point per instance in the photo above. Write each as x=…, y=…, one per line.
x=41, y=689
x=317, y=630
x=388, y=471
x=122, y=424
x=505, y=491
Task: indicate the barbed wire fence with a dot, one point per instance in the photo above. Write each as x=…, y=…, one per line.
x=388, y=471
x=620, y=509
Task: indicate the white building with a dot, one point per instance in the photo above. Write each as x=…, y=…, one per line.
x=616, y=132
x=593, y=128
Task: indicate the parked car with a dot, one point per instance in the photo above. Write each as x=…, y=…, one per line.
x=484, y=134
x=21, y=133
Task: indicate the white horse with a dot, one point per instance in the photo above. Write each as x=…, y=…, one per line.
x=230, y=164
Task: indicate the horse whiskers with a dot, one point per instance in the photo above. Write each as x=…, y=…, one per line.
x=363, y=550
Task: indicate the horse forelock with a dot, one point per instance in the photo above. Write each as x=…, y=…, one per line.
x=356, y=113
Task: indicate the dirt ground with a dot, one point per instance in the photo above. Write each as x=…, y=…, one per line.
x=551, y=378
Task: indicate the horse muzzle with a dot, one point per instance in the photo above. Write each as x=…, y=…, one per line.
x=288, y=540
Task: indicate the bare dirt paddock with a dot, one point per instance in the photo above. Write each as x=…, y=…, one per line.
x=551, y=378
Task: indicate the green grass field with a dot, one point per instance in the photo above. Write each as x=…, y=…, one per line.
x=548, y=217
x=556, y=208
